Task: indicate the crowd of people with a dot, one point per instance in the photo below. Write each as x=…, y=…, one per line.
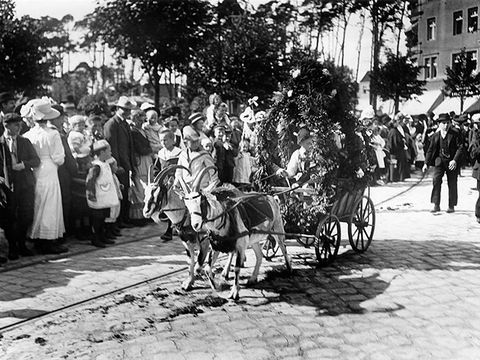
x=68, y=173
x=446, y=142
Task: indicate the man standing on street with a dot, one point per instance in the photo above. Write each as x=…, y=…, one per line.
x=444, y=153
x=118, y=134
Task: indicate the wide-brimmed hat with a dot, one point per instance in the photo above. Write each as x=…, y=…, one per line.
x=76, y=119
x=368, y=113
x=442, y=117
x=195, y=117
x=42, y=110
x=11, y=118
x=100, y=144
x=59, y=108
x=125, y=103
x=147, y=107
x=189, y=133
x=303, y=134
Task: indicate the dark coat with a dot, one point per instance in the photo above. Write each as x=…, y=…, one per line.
x=68, y=170
x=24, y=179
x=141, y=145
x=118, y=134
x=455, y=147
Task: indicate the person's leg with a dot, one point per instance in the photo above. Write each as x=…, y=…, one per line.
x=124, y=218
x=25, y=204
x=452, y=177
x=438, y=172
x=477, y=205
x=98, y=221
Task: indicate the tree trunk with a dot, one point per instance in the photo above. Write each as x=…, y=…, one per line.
x=461, y=104
x=156, y=86
x=397, y=103
x=342, y=46
x=400, y=28
x=376, y=51
x=359, y=47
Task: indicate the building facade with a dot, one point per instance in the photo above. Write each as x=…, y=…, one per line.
x=440, y=30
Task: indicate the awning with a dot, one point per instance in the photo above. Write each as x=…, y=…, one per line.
x=453, y=104
x=422, y=104
x=474, y=108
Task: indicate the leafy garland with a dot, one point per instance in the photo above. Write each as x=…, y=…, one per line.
x=320, y=97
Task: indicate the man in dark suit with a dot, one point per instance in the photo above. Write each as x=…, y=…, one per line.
x=444, y=153
x=67, y=171
x=117, y=132
x=24, y=159
x=397, y=146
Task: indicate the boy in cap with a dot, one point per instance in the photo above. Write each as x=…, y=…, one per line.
x=101, y=191
x=7, y=103
x=22, y=182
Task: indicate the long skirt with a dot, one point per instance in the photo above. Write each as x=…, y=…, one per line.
x=48, y=211
x=137, y=191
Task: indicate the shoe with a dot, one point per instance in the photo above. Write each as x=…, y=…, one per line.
x=478, y=220
x=3, y=260
x=24, y=251
x=108, y=241
x=450, y=210
x=98, y=243
x=50, y=247
x=436, y=209
x=116, y=231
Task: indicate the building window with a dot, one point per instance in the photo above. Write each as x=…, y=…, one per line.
x=472, y=58
x=457, y=22
x=472, y=24
x=431, y=26
x=427, y=68
x=430, y=67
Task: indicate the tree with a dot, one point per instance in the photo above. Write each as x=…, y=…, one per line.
x=245, y=56
x=384, y=15
x=163, y=35
x=397, y=79
x=24, y=65
x=462, y=81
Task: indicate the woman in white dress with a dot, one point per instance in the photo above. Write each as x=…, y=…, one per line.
x=48, y=224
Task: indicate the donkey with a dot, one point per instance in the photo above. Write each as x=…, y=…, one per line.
x=219, y=212
x=160, y=198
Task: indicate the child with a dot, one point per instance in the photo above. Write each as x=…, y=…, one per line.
x=243, y=166
x=111, y=228
x=79, y=142
x=219, y=150
x=207, y=145
x=173, y=126
x=230, y=153
x=101, y=191
x=168, y=155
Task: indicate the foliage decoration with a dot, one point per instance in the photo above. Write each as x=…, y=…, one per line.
x=320, y=97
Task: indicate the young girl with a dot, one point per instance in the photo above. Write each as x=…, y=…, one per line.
x=243, y=166
x=79, y=142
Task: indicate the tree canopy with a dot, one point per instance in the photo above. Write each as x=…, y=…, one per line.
x=397, y=79
x=462, y=81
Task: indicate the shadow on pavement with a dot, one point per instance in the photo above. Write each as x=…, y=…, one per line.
x=355, y=278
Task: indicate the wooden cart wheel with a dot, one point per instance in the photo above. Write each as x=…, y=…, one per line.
x=361, y=224
x=328, y=239
x=270, y=247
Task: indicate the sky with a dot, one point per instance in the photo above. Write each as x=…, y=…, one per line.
x=79, y=8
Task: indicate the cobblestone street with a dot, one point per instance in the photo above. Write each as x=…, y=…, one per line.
x=414, y=294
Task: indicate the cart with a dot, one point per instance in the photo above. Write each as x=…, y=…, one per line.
x=352, y=205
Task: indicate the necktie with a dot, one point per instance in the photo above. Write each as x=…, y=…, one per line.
x=12, y=146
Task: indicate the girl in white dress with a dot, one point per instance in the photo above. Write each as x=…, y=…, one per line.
x=48, y=223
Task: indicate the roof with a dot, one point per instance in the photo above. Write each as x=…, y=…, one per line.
x=366, y=77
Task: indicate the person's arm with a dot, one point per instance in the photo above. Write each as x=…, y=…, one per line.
x=32, y=160
x=56, y=149
x=110, y=131
x=92, y=176
x=460, y=147
x=293, y=164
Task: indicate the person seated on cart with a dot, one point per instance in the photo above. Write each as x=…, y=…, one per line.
x=300, y=166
